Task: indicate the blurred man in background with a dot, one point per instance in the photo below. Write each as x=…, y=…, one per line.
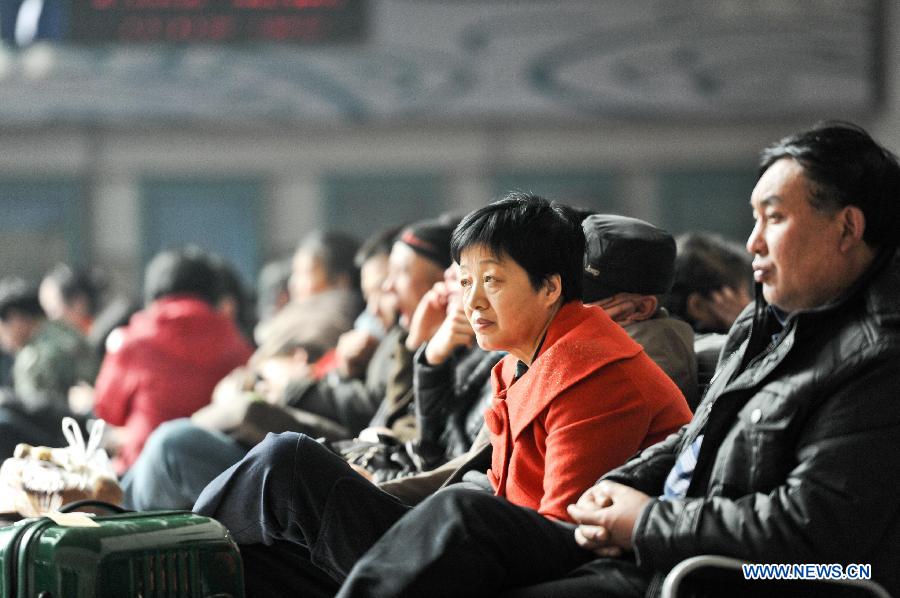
x=49, y=358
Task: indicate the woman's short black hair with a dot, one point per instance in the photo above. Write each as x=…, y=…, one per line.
x=845, y=166
x=543, y=237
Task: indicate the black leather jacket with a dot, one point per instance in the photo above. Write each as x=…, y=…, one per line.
x=800, y=461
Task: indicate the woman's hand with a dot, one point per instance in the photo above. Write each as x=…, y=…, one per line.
x=455, y=331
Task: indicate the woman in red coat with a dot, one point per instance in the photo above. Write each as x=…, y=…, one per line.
x=574, y=398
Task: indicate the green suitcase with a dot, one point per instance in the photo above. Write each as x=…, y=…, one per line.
x=149, y=554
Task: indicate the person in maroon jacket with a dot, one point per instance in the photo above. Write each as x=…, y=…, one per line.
x=165, y=363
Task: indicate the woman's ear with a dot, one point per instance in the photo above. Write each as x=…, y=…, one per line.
x=552, y=288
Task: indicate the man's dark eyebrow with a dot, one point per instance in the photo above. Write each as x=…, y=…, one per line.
x=768, y=201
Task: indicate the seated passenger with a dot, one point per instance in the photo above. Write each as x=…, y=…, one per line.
x=574, y=398
x=272, y=291
x=324, y=299
x=170, y=355
x=74, y=296
x=417, y=260
x=452, y=387
x=183, y=457
x=49, y=357
x=355, y=348
x=628, y=269
x=712, y=283
x=792, y=455
x=712, y=286
x=234, y=301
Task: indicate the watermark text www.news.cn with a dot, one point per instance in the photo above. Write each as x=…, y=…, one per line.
x=806, y=571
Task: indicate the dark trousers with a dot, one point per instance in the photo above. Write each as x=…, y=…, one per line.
x=304, y=519
x=461, y=542
x=301, y=515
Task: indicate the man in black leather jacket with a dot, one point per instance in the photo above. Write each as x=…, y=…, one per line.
x=792, y=456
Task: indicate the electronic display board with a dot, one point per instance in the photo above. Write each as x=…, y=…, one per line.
x=216, y=21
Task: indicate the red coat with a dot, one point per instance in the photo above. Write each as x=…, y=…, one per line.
x=590, y=400
x=173, y=353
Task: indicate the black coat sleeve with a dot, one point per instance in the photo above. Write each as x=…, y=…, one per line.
x=833, y=505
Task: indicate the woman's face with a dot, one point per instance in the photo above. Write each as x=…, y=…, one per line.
x=505, y=311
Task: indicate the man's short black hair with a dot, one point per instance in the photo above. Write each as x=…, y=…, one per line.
x=380, y=243
x=335, y=251
x=543, y=237
x=75, y=283
x=16, y=295
x=845, y=166
x=185, y=271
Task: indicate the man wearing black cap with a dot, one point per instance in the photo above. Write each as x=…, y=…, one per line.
x=628, y=268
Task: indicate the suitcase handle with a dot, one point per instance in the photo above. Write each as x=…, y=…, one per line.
x=89, y=502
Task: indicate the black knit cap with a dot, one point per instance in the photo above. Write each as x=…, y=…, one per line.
x=431, y=238
x=626, y=255
x=17, y=294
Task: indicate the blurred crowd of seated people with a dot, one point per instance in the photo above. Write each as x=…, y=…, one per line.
x=531, y=399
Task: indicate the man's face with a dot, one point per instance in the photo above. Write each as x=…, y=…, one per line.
x=15, y=331
x=410, y=276
x=308, y=277
x=371, y=278
x=795, y=247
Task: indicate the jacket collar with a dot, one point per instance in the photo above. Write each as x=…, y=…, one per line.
x=579, y=341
